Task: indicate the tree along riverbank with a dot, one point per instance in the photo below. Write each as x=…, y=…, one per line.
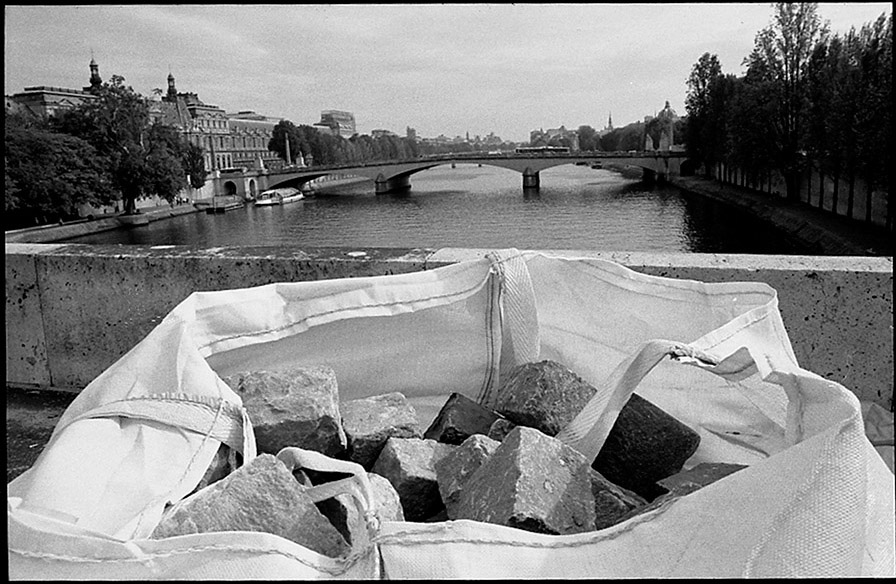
x=62, y=232
x=822, y=232
x=817, y=230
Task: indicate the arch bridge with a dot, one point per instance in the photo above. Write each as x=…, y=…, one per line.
x=395, y=176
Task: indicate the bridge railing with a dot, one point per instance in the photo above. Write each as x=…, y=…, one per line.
x=486, y=156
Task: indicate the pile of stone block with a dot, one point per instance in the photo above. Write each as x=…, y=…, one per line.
x=500, y=465
x=510, y=470
x=297, y=407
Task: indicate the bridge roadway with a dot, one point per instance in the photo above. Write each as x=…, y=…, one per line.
x=395, y=175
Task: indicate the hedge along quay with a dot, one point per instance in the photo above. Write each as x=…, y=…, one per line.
x=815, y=500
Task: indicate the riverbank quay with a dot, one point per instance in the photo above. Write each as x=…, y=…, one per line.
x=821, y=232
x=61, y=232
x=73, y=310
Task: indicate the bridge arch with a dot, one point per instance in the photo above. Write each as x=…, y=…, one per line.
x=296, y=181
x=392, y=176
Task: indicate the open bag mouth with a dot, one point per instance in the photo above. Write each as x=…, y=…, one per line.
x=813, y=496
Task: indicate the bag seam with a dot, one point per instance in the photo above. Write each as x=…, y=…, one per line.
x=707, y=288
x=305, y=319
x=348, y=562
x=395, y=538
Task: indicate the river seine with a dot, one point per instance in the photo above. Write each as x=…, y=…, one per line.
x=576, y=208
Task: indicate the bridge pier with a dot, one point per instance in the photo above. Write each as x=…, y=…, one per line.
x=651, y=176
x=531, y=180
x=390, y=185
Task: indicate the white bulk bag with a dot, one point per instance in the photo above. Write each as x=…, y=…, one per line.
x=816, y=499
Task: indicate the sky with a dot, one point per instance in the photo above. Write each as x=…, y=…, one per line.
x=439, y=68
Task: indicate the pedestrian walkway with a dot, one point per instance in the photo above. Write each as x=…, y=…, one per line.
x=30, y=419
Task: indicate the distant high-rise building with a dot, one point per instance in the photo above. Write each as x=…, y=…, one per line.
x=339, y=123
x=411, y=133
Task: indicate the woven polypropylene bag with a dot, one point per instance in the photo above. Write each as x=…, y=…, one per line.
x=815, y=500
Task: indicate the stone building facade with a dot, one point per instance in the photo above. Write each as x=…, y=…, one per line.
x=237, y=140
x=48, y=101
x=555, y=137
x=250, y=134
x=229, y=140
x=338, y=123
x=44, y=100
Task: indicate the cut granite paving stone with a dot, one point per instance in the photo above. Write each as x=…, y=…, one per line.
x=645, y=446
x=612, y=503
x=532, y=482
x=455, y=468
x=295, y=407
x=260, y=496
x=545, y=395
x=342, y=510
x=687, y=482
x=701, y=475
x=224, y=462
x=500, y=428
x=459, y=419
x=409, y=464
x=370, y=422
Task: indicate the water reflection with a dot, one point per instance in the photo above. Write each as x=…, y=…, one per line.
x=469, y=206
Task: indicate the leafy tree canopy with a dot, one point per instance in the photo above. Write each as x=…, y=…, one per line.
x=143, y=158
x=50, y=174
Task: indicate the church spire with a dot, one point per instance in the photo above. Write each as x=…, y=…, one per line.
x=172, y=91
x=95, y=79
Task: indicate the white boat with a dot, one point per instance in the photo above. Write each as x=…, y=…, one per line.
x=279, y=196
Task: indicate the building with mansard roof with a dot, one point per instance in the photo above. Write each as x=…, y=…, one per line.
x=45, y=100
x=228, y=140
x=250, y=134
x=48, y=101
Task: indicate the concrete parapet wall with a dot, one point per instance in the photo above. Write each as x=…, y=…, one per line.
x=72, y=310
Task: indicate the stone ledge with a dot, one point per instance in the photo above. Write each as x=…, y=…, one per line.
x=55, y=233
x=72, y=310
x=747, y=262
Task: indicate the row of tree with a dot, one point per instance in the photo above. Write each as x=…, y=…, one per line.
x=104, y=150
x=808, y=99
x=633, y=136
x=320, y=148
x=323, y=149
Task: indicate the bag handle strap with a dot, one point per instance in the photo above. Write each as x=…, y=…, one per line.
x=214, y=417
x=589, y=429
x=520, y=342
x=357, y=485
